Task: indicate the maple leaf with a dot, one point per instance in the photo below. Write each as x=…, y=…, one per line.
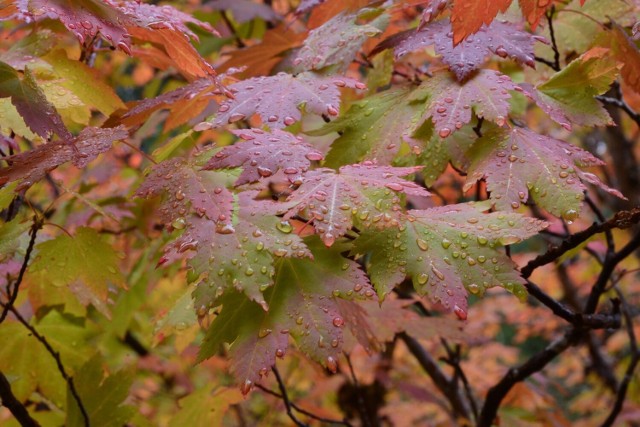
x=569, y=95
x=263, y=153
x=245, y=10
x=306, y=5
x=374, y=128
x=624, y=50
x=447, y=251
x=502, y=38
x=284, y=94
x=302, y=304
x=372, y=324
x=450, y=102
x=32, y=166
x=518, y=164
x=84, y=263
x=187, y=190
x=337, y=42
x=362, y=191
x=532, y=10
x=468, y=16
x=31, y=103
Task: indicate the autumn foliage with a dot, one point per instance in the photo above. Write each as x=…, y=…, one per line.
x=319, y=212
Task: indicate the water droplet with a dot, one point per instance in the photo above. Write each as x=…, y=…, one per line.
x=460, y=312
x=422, y=244
x=285, y=227
x=423, y=278
x=570, y=215
x=179, y=223
x=444, y=132
x=338, y=322
x=245, y=388
x=332, y=364
x=224, y=228
x=446, y=243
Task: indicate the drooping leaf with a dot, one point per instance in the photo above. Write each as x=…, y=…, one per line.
x=30, y=101
x=518, y=163
x=469, y=15
x=363, y=193
x=450, y=102
x=84, y=263
x=21, y=355
x=374, y=129
x=302, y=304
x=32, y=166
x=102, y=396
x=337, y=42
x=187, y=190
x=447, y=251
x=277, y=99
x=568, y=97
x=245, y=10
x=502, y=38
x=625, y=51
x=263, y=153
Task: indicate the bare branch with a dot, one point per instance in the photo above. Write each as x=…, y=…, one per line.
x=14, y=405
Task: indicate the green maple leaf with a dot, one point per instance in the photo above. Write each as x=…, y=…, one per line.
x=302, y=304
x=374, y=128
x=102, y=396
x=447, y=252
x=85, y=264
x=205, y=407
x=22, y=356
x=569, y=95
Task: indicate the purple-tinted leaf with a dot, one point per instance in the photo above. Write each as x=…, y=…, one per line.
x=263, y=153
x=277, y=99
x=30, y=102
x=518, y=164
x=450, y=102
x=502, y=38
x=306, y=5
x=31, y=166
x=245, y=10
x=432, y=9
x=362, y=192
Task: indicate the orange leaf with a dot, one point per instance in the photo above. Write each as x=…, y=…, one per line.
x=625, y=51
x=533, y=10
x=469, y=15
x=331, y=8
x=261, y=58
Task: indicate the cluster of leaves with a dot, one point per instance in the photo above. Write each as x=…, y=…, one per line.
x=286, y=201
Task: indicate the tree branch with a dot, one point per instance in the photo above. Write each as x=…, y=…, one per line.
x=14, y=405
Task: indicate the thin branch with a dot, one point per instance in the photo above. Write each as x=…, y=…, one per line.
x=635, y=359
x=554, y=44
x=620, y=103
x=363, y=407
x=304, y=411
x=13, y=294
x=453, y=360
x=16, y=407
x=440, y=379
x=515, y=375
x=232, y=29
x=285, y=399
x=56, y=357
x=622, y=220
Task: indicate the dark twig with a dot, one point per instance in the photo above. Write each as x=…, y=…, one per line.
x=56, y=357
x=304, y=411
x=633, y=363
x=285, y=399
x=620, y=103
x=363, y=407
x=622, y=220
x=13, y=294
x=453, y=359
x=232, y=29
x=16, y=407
x=552, y=34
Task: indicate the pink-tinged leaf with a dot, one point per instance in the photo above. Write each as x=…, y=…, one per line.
x=277, y=99
x=468, y=16
x=245, y=10
x=432, y=10
x=518, y=164
x=32, y=166
x=363, y=193
x=502, y=38
x=261, y=154
x=30, y=102
x=187, y=190
x=307, y=310
x=450, y=102
x=447, y=251
x=373, y=324
x=337, y=42
x=161, y=17
x=306, y=5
